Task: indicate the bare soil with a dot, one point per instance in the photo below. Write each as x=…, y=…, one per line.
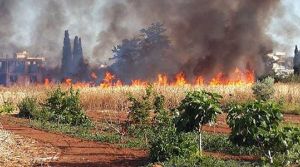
x=77, y=152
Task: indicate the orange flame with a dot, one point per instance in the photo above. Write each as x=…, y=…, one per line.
x=199, y=80
x=180, y=79
x=108, y=80
x=162, y=80
x=46, y=82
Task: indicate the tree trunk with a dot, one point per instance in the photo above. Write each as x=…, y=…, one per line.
x=200, y=139
x=270, y=157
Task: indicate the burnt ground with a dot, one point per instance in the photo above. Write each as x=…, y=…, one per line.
x=78, y=152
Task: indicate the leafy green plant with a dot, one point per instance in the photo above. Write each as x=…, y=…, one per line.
x=64, y=107
x=264, y=90
x=140, y=108
x=28, y=107
x=7, y=107
x=197, y=109
x=252, y=124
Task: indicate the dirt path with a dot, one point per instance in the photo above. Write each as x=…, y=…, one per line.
x=77, y=152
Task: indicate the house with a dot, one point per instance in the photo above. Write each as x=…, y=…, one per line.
x=22, y=69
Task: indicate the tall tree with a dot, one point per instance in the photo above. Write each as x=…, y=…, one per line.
x=67, y=56
x=296, y=61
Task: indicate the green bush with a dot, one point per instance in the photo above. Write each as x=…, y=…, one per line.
x=140, y=108
x=247, y=121
x=264, y=90
x=64, y=107
x=7, y=107
x=28, y=107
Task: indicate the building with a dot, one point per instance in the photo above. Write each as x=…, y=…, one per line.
x=280, y=64
x=22, y=69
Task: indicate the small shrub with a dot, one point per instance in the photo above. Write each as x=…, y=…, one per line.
x=28, y=107
x=140, y=109
x=64, y=107
x=264, y=90
x=7, y=107
x=247, y=121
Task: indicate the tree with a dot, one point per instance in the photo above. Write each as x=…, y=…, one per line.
x=66, y=63
x=197, y=109
x=146, y=52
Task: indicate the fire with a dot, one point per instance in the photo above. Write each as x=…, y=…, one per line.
x=199, y=80
x=162, y=80
x=180, y=79
x=138, y=83
x=108, y=80
x=237, y=77
x=46, y=82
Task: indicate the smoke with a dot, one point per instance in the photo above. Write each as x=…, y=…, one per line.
x=207, y=36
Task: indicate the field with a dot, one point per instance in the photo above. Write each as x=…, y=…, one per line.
x=107, y=143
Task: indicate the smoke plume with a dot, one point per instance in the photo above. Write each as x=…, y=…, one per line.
x=207, y=36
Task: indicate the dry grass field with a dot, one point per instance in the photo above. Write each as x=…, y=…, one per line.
x=115, y=98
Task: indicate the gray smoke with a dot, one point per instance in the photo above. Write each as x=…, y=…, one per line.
x=207, y=35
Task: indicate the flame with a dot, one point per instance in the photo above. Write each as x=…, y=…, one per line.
x=46, y=82
x=237, y=77
x=199, y=80
x=94, y=76
x=138, y=83
x=108, y=80
x=180, y=79
x=162, y=80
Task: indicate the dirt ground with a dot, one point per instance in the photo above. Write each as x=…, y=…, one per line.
x=77, y=152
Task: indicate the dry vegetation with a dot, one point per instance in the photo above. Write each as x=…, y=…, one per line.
x=16, y=150
x=115, y=98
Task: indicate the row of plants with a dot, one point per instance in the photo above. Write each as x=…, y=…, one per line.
x=254, y=125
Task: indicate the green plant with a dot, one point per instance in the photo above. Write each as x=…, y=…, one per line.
x=255, y=124
x=64, y=107
x=7, y=107
x=248, y=120
x=264, y=90
x=197, y=109
x=140, y=109
x=28, y=107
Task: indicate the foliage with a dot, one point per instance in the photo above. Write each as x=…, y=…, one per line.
x=249, y=120
x=64, y=107
x=203, y=161
x=257, y=124
x=198, y=108
x=284, y=144
x=7, y=107
x=264, y=90
x=140, y=109
x=28, y=107
x=150, y=45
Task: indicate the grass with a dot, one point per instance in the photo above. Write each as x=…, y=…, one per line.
x=88, y=134
x=115, y=98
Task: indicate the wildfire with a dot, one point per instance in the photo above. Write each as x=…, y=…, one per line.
x=108, y=80
x=237, y=77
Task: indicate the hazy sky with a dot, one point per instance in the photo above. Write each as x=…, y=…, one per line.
x=285, y=27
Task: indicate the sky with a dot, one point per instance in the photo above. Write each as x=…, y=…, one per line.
x=285, y=27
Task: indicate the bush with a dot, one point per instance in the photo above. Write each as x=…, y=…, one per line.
x=247, y=121
x=64, y=107
x=140, y=109
x=7, y=107
x=264, y=90
x=28, y=107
